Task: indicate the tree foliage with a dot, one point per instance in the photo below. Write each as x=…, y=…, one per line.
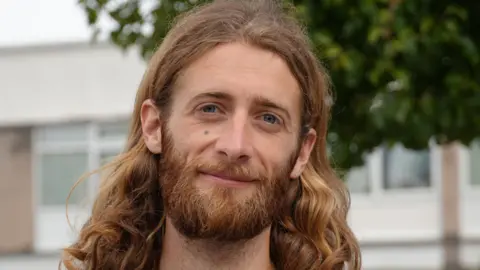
x=403, y=71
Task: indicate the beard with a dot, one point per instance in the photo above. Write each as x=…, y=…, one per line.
x=217, y=213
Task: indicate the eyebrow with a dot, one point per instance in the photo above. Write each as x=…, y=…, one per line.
x=267, y=103
x=214, y=94
x=258, y=100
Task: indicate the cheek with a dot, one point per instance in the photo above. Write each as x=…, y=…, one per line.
x=190, y=143
x=277, y=155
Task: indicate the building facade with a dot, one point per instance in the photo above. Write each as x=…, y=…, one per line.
x=64, y=111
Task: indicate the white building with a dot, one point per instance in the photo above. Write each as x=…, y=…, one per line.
x=63, y=111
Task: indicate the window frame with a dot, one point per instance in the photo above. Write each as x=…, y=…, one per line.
x=367, y=165
x=467, y=188
x=385, y=165
x=40, y=148
x=93, y=146
x=470, y=165
x=375, y=162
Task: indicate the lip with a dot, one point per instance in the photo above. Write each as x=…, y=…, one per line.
x=230, y=178
x=227, y=179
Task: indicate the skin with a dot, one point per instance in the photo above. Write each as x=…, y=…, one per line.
x=238, y=103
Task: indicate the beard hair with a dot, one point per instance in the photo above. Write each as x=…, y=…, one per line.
x=216, y=213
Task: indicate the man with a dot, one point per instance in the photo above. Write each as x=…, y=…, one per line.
x=226, y=164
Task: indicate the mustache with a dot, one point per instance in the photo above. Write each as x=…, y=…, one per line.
x=229, y=170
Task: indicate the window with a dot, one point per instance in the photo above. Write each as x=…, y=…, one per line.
x=65, y=152
x=113, y=130
x=475, y=163
x=63, y=133
x=59, y=172
x=406, y=168
x=358, y=180
x=107, y=157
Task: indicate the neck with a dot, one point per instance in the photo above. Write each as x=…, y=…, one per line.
x=185, y=254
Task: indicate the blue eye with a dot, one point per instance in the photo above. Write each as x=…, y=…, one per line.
x=209, y=109
x=270, y=118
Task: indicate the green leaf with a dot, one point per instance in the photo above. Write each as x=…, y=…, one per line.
x=426, y=25
x=374, y=34
x=403, y=110
x=457, y=11
x=92, y=16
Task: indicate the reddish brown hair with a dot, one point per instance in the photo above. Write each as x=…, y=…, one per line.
x=125, y=229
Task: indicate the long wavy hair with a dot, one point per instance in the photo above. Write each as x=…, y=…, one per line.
x=126, y=226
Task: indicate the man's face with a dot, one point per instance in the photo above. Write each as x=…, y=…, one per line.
x=231, y=143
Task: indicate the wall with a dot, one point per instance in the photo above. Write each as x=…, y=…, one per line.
x=65, y=82
x=16, y=215
x=469, y=211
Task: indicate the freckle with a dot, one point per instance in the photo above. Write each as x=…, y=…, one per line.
x=205, y=132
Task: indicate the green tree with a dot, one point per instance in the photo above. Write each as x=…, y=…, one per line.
x=403, y=71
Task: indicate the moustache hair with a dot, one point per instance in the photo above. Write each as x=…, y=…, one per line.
x=229, y=170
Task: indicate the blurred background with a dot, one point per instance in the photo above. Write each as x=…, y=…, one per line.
x=405, y=128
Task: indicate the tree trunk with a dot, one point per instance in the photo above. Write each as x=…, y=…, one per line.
x=451, y=207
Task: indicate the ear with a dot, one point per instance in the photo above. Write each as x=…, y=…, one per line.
x=151, y=126
x=304, y=153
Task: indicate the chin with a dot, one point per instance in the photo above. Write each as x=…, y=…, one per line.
x=220, y=193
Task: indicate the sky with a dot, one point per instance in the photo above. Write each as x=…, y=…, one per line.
x=39, y=22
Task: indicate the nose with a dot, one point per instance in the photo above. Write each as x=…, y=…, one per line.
x=234, y=143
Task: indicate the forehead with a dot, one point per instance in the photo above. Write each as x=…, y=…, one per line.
x=244, y=72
